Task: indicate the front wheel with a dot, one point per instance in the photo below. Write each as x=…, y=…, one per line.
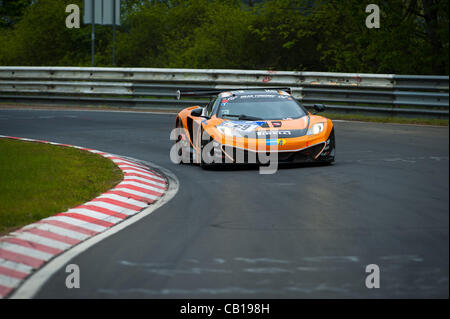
x=328, y=155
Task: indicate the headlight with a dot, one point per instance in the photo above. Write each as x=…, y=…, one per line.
x=315, y=129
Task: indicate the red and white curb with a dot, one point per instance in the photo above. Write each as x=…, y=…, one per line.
x=26, y=250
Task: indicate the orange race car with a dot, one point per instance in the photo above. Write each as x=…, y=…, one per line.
x=250, y=126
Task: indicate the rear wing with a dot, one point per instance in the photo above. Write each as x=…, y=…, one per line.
x=208, y=93
x=202, y=93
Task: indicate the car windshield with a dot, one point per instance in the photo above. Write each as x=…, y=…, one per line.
x=255, y=107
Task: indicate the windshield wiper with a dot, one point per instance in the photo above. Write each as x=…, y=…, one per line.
x=244, y=117
x=250, y=118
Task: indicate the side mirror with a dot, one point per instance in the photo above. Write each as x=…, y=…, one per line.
x=319, y=108
x=198, y=112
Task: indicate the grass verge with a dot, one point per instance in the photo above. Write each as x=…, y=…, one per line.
x=39, y=180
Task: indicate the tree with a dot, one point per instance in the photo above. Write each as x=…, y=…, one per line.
x=217, y=38
x=41, y=38
x=141, y=41
x=433, y=21
x=398, y=46
x=312, y=35
x=11, y=11
x=285, y=38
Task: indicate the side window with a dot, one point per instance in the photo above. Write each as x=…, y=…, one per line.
x=209, y=108
x=215, y=106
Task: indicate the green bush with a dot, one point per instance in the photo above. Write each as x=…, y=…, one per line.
x=279, y=34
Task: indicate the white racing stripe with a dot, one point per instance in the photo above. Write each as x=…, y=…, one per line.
x=25, y=251
x=78, y=222
x=145, y=180
x=144, y=174
x=9, y=282
x=121, y=163
x=115, y=208
x=119, y=158
x=42, y=240
x=27, y=139
x=159, y=190
x=124, y=166
x=132, y=191
x=94, y=214
x=124, y=200
x=15, y=266
x=60, y=231
x=137, y=169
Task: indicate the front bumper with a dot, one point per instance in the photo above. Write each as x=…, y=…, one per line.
x=321, y=152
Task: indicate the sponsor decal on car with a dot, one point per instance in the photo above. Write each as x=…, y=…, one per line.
x=280, y=141
x=266, y=133
x=257, y=96
x=276, y=123
x=262, y=124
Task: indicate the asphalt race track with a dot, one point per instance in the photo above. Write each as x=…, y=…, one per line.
x=304, y=232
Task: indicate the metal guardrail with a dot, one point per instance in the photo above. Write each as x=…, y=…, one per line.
x=372, y=93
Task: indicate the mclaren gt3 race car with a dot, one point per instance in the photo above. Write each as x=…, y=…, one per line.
x=247, y=126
